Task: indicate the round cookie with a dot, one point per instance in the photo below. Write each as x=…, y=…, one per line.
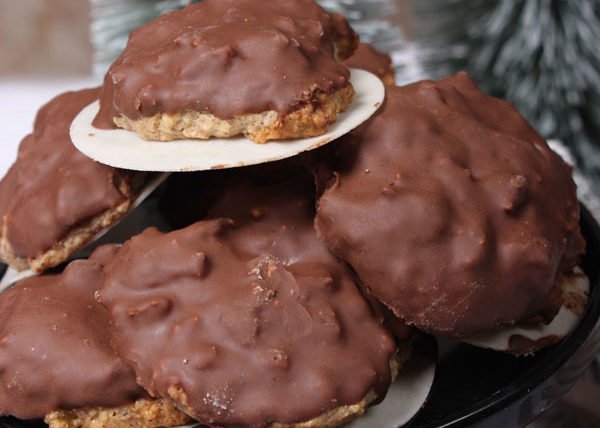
x=228, y=67
x=366, y=57
x=248, y=321
x=56, y=359
x=452, y=210
x=54, y=199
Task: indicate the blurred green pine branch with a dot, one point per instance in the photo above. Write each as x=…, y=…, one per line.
x=113, y=20
x=542, y=55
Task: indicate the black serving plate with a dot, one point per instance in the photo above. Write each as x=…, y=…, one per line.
x=483, y=388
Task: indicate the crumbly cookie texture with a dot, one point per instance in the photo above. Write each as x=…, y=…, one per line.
x=345, y=47
x=74, y=240
x=573, y=299
x=141, y=414
x=310, y=120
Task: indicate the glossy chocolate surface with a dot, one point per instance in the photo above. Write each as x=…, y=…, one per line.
x=52, y=187
x=229, y=58
x=247, y=319
x=55, y=350
x=452, y=209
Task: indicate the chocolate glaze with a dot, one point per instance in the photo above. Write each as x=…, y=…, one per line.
x=366, y=57
x=396, y=326
x=227, y=57
x=52, y=187
x=55, y=348
x=250, y=316
x=188, y=198
x=452, y=210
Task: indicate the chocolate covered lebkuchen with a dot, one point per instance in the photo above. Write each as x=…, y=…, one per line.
x=54, y=199
x=228, y=67
x=56, y=360
x=248, y=320
x=452, y=210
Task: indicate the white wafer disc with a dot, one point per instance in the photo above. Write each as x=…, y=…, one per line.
x=125, y=149
x=575, y=287
x=12, y=276
x=405, y=396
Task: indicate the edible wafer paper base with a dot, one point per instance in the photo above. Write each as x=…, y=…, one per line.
x=576, y=286
x=125, y=149
x=406, y=395
x=11, y=276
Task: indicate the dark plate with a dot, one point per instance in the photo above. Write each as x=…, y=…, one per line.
x=479, y=387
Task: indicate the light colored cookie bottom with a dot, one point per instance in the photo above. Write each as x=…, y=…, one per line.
x=74, y=240
x=310, y=120
x=141, y=414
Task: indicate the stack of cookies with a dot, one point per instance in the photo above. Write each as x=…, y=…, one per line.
x=286, y=294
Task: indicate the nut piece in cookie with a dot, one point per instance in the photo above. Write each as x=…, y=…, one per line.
x=248, y=320
x=228, y=67
x=54, y=199
x=452, y=210
x=56, y=359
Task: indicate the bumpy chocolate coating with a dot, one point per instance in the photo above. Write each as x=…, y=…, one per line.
x=230, y=58
x=246, y=321
x=55, y=350
x=52, y=187
x=452, y=209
